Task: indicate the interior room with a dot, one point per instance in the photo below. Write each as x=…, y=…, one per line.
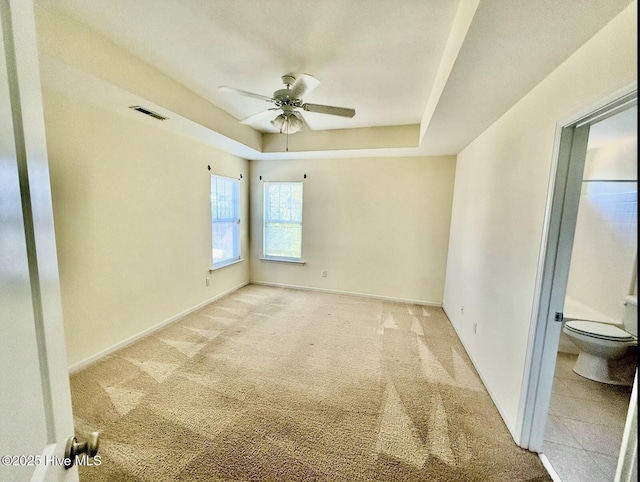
x=425, y=147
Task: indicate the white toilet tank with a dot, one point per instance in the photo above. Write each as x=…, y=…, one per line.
x=630, y=319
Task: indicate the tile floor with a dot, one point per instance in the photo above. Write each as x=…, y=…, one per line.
x=585, y=425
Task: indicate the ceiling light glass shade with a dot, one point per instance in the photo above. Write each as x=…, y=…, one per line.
x=288, y=123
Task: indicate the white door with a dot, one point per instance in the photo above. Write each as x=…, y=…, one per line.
x=35, y=403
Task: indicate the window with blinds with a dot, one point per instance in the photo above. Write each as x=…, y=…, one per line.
x=225, y=220
x=282, y=234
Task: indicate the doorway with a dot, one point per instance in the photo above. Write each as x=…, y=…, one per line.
x=586, y=419
x=556, y=253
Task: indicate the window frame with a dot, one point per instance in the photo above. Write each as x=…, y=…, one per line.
x=266, y=220
x=235, y=219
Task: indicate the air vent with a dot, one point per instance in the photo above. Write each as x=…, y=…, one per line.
x=148, y=112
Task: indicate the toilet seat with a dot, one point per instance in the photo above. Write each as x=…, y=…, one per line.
x=601, y=331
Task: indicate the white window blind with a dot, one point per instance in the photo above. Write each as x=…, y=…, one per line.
x=282, y=236
x=225, y=220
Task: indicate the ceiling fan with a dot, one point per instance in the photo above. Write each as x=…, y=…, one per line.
x=288, y=100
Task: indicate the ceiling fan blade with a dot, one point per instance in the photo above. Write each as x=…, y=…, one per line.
x=257, y=117
x=329, y=109
x=304, y=84
x=224, y=88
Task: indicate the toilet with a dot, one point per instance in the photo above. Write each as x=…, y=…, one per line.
x=601, y=344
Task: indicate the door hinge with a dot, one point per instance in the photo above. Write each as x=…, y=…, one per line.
x=559, y=316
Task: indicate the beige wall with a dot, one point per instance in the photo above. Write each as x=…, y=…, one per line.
x=378, y=226
x=499, y=206
x=132, y=217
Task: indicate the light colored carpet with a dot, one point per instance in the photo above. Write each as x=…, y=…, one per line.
x=271, y=384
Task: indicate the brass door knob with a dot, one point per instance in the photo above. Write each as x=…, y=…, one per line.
x=75, y=448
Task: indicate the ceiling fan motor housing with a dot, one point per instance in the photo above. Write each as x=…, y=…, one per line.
x=283, y=98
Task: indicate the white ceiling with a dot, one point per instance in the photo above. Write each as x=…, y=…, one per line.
x=387, y=59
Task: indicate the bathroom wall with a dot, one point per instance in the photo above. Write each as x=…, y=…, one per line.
x=603, y=261
x=604, y=252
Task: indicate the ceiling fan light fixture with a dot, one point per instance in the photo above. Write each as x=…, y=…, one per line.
x=288, y=123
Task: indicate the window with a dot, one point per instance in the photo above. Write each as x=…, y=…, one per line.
x=225, y=220
x=283, y=220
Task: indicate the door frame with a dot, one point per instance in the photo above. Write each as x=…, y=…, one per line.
x=553, y=265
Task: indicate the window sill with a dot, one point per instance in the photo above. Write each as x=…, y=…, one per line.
x=284, y=260
x=225, y=264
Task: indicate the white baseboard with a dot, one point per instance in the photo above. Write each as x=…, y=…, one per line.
x=349, y=293
x=484, y=382
x=75, y=367
x=547, y=465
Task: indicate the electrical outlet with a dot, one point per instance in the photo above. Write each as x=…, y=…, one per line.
x=324, y=273
x=208, y=281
